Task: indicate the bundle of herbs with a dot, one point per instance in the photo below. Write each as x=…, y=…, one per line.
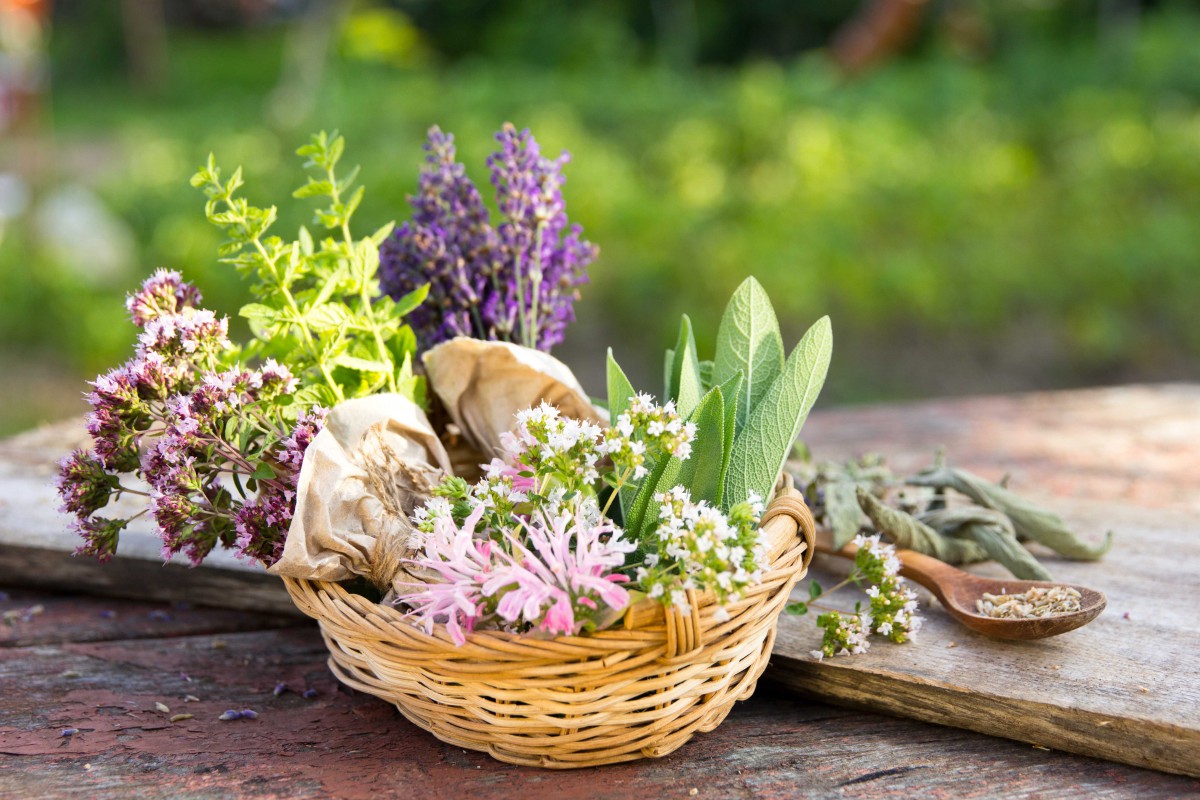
x=576, y=514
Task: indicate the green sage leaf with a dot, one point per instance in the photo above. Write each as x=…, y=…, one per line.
x=761, y=448
x=748, y=340
x=686, y=387
x=702, y=473
x=992, y=531
x=909, y=533
x=842, y=511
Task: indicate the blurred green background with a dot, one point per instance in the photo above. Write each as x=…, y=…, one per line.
x=985, y=196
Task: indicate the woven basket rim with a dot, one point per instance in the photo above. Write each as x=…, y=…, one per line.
x=440, y=636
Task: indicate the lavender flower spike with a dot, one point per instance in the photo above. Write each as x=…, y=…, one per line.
x=513, y=283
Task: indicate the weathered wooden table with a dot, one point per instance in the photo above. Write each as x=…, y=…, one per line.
x=114, y=673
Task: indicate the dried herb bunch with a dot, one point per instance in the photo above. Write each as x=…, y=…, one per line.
x=945, y=512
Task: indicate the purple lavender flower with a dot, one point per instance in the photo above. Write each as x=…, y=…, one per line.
x=516, y=282
x=163, y=294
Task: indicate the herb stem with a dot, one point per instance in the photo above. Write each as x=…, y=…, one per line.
x=367, y=307
x=281, y=285
x=536, y=278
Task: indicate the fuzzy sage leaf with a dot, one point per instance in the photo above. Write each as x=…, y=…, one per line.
x=992, y=531
x=1028, y=520
x=910, y=533
x=763, y=445
x=748, y=341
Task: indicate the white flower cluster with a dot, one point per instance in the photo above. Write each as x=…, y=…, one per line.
x=548, y=443
x=646, y=426
x=893, y=604
x=701, y=548
x=845, y=634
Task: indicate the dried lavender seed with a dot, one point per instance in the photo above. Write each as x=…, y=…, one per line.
x=248, y=714
x=230, y=715
x=279, y=689
x=309, y=694
x=68, y=732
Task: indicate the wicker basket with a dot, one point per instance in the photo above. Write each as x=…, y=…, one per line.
x=575, y=701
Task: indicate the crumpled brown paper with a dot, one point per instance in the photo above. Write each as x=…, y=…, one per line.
x=484, y=384
x=375, y=460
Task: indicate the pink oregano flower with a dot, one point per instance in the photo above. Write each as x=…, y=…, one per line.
x=559, y=581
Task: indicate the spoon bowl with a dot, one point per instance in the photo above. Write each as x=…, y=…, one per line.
x=958, y=590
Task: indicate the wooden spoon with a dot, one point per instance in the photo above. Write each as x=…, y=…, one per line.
x=958, y=591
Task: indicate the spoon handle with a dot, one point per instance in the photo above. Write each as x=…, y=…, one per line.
x=918, y=567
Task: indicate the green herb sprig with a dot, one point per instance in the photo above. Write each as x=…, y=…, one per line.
x=318, y=307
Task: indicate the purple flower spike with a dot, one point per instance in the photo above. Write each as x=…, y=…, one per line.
x=279, y=689
x=248, y=714
x=516, y=282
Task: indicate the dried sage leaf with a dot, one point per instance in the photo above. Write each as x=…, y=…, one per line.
x=992, y=531
x=1028, y=520
x=842, y=512
x=910, y=533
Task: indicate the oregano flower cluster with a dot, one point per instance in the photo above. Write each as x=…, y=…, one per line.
x=213, y=445
x=891, y=612
x=216, y=452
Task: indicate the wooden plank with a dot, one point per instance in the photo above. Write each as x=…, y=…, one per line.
x=36, y=545
x=1126, y=688
x=345, y=744
x=32, y=617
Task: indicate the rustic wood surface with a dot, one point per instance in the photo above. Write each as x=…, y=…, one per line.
x=1125, y=687
x=76, y=665
x=100, y=665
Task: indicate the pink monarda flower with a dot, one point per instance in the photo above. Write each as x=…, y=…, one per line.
x=461, y=562
x=555, y=581
x=552, y=574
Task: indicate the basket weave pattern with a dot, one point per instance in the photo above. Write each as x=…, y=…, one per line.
x=575, y=701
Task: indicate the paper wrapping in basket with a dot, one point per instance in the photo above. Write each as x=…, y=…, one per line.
x=484, y=384
x=375, y=460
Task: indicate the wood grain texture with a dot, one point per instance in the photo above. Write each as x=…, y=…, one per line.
x=1126, y=688
x=347, y=745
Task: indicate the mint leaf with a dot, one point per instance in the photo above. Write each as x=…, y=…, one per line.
x=748, y=340
x=762, y=446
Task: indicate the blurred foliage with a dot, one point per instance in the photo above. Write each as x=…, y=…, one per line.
x=1028, y=216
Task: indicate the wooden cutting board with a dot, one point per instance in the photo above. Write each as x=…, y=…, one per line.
x=1125, y=689
x=1127, y=686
